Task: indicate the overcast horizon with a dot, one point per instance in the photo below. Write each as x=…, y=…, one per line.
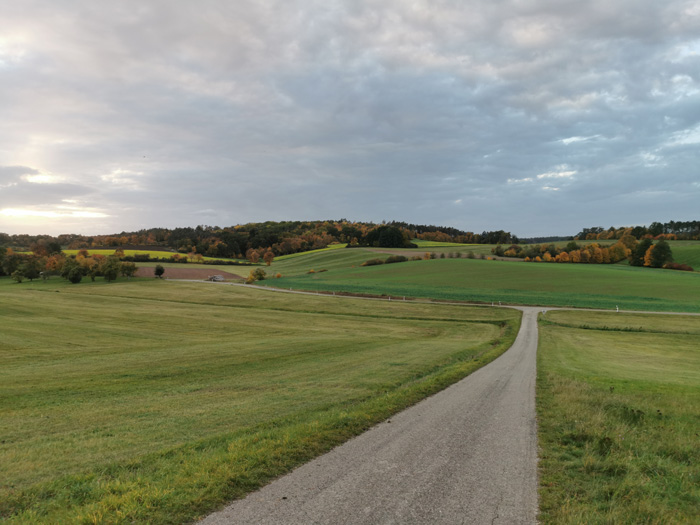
x=538, y=117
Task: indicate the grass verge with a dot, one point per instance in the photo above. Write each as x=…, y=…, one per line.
x=619, y=417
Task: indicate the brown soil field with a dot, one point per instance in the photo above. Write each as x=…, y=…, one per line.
x=187, y=273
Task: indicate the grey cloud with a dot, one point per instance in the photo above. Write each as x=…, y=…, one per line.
x=370, y=110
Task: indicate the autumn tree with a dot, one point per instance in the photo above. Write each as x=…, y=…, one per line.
x=269, y=257
x=110, y=268
x=128, y=269
x=648, y=255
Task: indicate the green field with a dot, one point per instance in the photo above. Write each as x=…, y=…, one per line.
x=686, y=252
x=310, y=252
x=437, y=244
x=619, y=418
x=154, y=254
x=153, y=401
x=587, y=286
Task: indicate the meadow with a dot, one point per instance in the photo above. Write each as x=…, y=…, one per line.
x=153, y=401
x=475, y=280
x=618, y=400
x=154, y=254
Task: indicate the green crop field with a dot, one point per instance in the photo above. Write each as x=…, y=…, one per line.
x=588, y=286
x=686, y=252
x=154, y=401
x=437, y=244
x=619, y=418
x=310, y=252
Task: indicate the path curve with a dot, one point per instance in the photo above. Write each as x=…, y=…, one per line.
x=468, y=454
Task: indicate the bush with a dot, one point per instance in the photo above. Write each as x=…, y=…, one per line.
x=75, y=275
x=256, y=275
x=395, y=259
x=372, y=262
x=678, y=266
x=159, y=271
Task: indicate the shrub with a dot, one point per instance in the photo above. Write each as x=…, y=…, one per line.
x=395, y=259
x=75, y=275
x=256, y=275
x=678, y=266
x=372, y=262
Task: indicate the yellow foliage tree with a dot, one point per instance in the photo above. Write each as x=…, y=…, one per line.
x=647, y=256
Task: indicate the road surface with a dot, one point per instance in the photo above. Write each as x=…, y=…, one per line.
x=465, y=455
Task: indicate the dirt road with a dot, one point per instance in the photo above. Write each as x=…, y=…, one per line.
x=465, y=455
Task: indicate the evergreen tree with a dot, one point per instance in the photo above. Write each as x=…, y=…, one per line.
x=661, y=255
x=637, y=257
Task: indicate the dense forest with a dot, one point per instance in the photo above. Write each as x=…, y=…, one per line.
x=672, y=230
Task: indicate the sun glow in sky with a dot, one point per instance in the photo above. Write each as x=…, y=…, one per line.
x=479, y=115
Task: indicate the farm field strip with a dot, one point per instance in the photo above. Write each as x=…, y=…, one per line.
x=584, y=286
x=152, y=401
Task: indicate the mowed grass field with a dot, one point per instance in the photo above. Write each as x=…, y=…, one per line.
x=578, y=285
x=152, y=401
x=619, y=418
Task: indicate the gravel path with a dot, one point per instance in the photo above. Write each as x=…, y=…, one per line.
x=465, y=455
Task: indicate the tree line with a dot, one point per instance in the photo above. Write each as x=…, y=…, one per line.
x=639, y=253
x=672, y=230
x=280, y=238
x=30, y=266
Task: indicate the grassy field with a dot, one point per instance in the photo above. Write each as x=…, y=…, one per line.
x=156, y=254
x=310, y=252
x=437, y=244
x=619, y=418
x=588, y=286
x=153, y=401
x=686, y=252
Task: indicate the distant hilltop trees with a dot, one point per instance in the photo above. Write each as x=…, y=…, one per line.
x=279, y=238
x=672, y=230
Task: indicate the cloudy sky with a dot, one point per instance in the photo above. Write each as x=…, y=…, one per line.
x=539, y=117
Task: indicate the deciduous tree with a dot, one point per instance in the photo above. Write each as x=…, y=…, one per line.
x=269, y=257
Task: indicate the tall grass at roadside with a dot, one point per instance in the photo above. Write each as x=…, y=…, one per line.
x=619, y=418
x=157, y=402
